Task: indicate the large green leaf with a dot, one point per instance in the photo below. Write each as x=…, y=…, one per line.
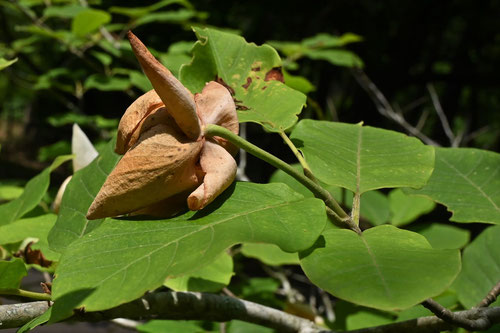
x=71, y=223
x=406, y=208
x=11, y=273
x=363, y=158
x=466, y=181
x=124, y=258
x=210, y=278
x=374, y=204
x=33, y=192
x=385, y=268
x=481, y=268
x=248, y=70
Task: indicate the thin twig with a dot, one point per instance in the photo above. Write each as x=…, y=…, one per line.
x=441, y=115
x=385, y=108
x=491, y=297
x=448, y=316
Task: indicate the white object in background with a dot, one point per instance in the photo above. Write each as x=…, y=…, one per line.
x=84, y=153
x=82, y=148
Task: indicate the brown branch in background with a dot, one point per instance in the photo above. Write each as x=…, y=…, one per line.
x=442, y=117
x=454, y=318
x=491, y=297
x=385, y=108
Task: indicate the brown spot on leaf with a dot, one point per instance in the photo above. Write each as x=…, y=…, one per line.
x=242, y=107
x=46, y=287
x=275, y=74
x=221, y=81
x=256, y=69
x=246, y=85
x=264, y=87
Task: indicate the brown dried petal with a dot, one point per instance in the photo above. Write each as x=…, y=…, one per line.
x=130, y=126
x=220, y=169
x=178, y=100
x=161, y=164
x=215, y=105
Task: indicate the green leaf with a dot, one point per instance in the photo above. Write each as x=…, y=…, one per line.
x=481, y=268
x=4, y=63
x=124, y=258
x=299, y=83
x=396, y=268
x=10, y=192
x=374, y=205
x=136, y=12
x=11, y=273
x=50, y=152
x=363, y=158
x=71, y=223
x=67, y=11
x=35, y=227
x=466, y=181
x=212, y=277
x=349, y=316
x=406, y=208
x=269, y=254
x=448, y=299
x=106, y=83
x=238, y=326
x=443, y=236
x=42, y=319
x=33, y=193
x=244, y=67
x=88, y=21
x=161, y=326
x=172, y=16
x=335, y=57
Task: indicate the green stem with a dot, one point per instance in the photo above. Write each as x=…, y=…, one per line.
x=26, y=293
x=295, y=151
x=339, y=214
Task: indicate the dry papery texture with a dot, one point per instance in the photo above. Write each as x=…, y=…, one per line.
x=167, y=161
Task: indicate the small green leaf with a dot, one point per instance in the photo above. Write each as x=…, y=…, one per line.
x=4, y=63
x=33, y=193
x=248, y=70
x=363, y=158
x=67, y=11
x=35, y=227
x=466, y=180
x=10, y=192
x=350, y=316
x=238, y=326
x=11, y=273
x=71, y=223
x=136, y=12
x=269, y=254
x=171, y=16
x=42, y=319
x=443, y=236
x=210, y=278
x=335, y=57
x=106, y=83
x=397, y=268
x=88, y=21
x=161, y=326
x=407, y=208
x=138, y=255
x=481, y=268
